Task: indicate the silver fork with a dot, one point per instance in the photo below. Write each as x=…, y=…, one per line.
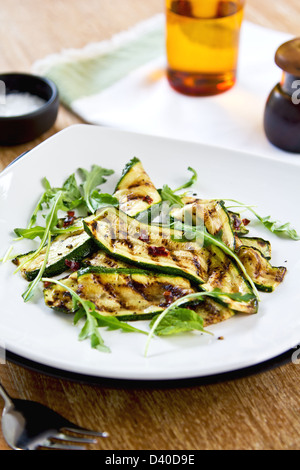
x=28, y=425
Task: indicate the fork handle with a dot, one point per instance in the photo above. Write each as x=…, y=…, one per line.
x=7, y=399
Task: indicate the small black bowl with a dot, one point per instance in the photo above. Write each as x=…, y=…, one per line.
x=15, y=130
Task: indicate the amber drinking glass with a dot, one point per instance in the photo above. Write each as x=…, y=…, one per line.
x=202, y=44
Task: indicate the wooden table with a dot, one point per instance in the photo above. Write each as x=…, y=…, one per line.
x=258, y=411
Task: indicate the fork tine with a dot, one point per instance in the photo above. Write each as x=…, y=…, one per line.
x=67, y=437
x=47, y=444
x=88, y=432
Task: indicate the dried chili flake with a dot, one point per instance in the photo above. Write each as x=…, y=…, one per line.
x=158, y=251
x=246, y=222
x=168, y=296
x=236, y=223
x=71, y=264
x=47, y=284
x=69, y=220
x=143, y=236
x=148, y=199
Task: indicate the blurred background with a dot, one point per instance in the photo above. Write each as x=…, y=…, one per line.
x=32, y=29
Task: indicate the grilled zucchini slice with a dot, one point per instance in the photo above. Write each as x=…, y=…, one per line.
x=264, y=246
x=135, y=190
x=64, y=249
x=237, y=223
x=130, y=294
x=101, y=258
x=156, y=248
x=265, y=276
x=211, y=213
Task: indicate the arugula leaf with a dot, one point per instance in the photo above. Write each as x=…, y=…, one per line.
x=92, y=179
x=38, y=231
x=274, y=226
x=201, y=233
x=94, y=319
x=28, y=294
x=278, y=228
x=168, y=194
x=189, y=183
x=51, y=221
x=7, y=255
x=72, y=192
x=71, y=196
x=113, y=323
x=178, y=319
x=90, y=328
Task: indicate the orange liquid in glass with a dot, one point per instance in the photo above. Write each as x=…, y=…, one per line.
x=202, y=43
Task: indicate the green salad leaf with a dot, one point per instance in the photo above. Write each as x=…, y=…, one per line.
x=178, y=320
x=91, y=180
x=274, y=226
x=175, y=319
x=168, y=194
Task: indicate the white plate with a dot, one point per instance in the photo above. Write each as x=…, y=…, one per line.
x=38, y=334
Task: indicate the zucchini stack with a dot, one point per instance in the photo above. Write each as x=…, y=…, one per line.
x=133, y=268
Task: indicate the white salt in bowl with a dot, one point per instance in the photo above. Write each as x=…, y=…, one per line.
x=28, y=107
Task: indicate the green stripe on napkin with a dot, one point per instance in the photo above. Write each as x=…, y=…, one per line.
x=79, y=76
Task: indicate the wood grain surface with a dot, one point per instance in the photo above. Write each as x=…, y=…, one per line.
x=256, y=412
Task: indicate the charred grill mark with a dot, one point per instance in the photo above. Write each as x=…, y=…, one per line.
x=109, y=289
x=66, y=294
x=112, y=233
x=175, y=259
x=138, y=184
x=208, y=264
x=137, y=287
x=236, y=222
x=127, y=242
x=111, y=263
x=94, y=225
x=133, y=197
x=280, y=273
x=213, y=314
x=197, y=265
x=218, y=274
x=173, y=293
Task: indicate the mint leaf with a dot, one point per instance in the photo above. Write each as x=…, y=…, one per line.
x=98, y=200
x=179, y=320
x=176, y=322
